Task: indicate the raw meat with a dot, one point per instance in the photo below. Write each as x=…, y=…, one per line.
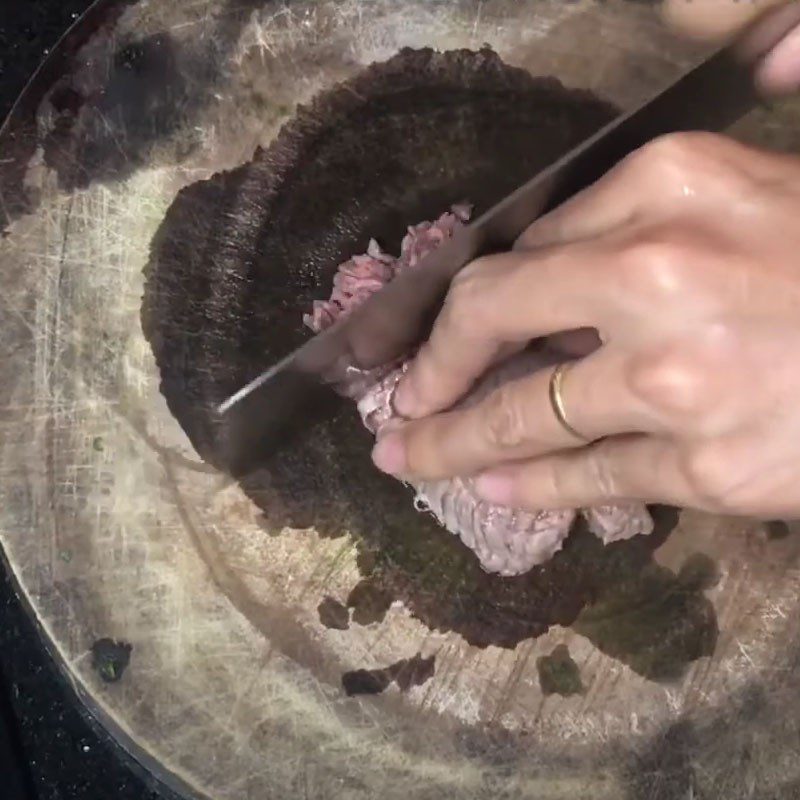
x=506, y=541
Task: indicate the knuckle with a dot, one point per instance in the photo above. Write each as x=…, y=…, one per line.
x=503, y=421
x=525, y=240
x=674, y=382
x=678, y=160
x=559, y=485
x=673, y=157
x=465, y=304
x=708, y=473
x=653, y=266
x=600, y=471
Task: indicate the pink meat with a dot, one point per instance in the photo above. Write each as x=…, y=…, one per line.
x=506, y=541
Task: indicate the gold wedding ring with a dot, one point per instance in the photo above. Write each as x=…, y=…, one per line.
x=557, y=400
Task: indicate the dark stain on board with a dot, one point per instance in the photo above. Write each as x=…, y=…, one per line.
x=110, y=659
x=240, y=257
x=334, y=615
x=558, y=673
x=406, y=673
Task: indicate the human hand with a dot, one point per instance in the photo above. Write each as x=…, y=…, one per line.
x=685, y=259
x=769, y=30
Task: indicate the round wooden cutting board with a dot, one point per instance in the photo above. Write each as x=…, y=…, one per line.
x=168, y=214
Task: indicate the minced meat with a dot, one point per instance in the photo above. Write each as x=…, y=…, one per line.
x=506, y=541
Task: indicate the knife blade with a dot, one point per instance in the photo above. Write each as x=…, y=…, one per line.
x=264, y=414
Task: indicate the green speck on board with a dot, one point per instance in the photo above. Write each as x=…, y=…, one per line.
x=559, y=674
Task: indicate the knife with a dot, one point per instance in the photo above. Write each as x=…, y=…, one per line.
x=266, y=413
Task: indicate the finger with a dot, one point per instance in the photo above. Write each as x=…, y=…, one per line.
x=549, y=284
x=517, y=421
x=648, y=182
x=608, y=203
x=779, y=72
x=459, y=348
x=502, y=301
x=562, y=346
x=768, y=32
x=617, y=470
x=714, y=19
x=652, y=182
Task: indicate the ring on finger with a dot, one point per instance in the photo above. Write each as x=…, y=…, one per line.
x=557, y=401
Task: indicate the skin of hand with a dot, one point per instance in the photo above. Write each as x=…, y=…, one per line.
x=685, y=259
x=769, y=32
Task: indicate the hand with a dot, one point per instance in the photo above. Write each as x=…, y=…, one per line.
x=686, y=260
x=769, y=29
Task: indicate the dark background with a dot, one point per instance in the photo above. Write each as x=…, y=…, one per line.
x=49, y=747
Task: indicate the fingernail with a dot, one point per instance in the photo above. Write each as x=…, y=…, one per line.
x=780, y=70
x=389, y=454
x=403, y=399
x=495, y=487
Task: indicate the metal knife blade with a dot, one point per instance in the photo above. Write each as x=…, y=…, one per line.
x=266, y=411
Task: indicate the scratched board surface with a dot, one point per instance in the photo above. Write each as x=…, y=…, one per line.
x=176, y=189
